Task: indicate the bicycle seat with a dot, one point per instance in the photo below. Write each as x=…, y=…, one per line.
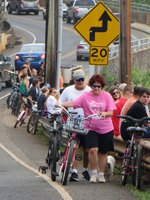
x=136, y=130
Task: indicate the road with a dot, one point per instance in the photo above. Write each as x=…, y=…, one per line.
x=32, y=28
x=21, y=154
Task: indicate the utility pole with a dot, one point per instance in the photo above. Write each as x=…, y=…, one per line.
x=51, y=43
x=59, y=41
x=125, y=41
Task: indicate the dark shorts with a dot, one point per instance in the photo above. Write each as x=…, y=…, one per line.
x=81, y=138
x=104, y=142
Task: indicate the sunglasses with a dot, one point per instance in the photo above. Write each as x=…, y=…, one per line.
x=115, y=93
x=81, y=79
x=96, y=86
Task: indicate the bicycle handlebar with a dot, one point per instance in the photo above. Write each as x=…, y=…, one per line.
x=134, y=120
x=70, y=114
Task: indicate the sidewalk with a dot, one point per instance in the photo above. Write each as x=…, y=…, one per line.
x=141, y=27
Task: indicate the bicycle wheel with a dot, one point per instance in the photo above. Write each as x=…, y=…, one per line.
x=14, y=103
x=133, y=164
x=138, y=167
x=68, y=162
x=126, y=170
x=53, y=164
x=32, y=124
x=17, y=108
x=8, y=101
x=20, y=119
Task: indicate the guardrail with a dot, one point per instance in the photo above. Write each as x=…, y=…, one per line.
x=135, y=6
x=136, y=45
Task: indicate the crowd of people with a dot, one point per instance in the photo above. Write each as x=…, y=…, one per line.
x=86, y=100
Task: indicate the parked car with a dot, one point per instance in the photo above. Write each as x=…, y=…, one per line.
x=64, y=12
x=65, y=7
x=5, y=64
x=20, y=6
x=83, y=49
x=78, y=8
x=34, y=53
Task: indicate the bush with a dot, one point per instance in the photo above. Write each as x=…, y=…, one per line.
x=139, y=77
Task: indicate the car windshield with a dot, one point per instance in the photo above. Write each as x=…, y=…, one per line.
x=36, y=48
x=85, y=3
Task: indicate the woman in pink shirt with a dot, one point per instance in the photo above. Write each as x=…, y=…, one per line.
x=99, y=140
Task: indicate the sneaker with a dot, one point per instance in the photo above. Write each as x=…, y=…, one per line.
x=86, y=175
x=101, y=179
x=74, y=177
x=93, y=178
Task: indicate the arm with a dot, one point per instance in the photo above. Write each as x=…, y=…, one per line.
x=106, y=114
x=67, y=104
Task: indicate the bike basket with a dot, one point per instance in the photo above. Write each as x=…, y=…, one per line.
x=76, y=125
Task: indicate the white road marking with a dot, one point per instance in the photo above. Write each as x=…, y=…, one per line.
x=34, y=37
x=64, y=194
x=4, y=96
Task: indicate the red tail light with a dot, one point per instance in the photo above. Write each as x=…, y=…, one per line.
x=17, y=57
x=76, y=10
x=43, y=56
x=80, y=47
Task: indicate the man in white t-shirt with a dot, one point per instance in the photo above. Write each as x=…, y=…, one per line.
x=71, y=93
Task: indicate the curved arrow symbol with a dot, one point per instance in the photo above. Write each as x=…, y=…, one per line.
x=93, y=30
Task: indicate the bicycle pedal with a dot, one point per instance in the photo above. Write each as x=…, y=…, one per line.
x=43, y=169
x=78, y=158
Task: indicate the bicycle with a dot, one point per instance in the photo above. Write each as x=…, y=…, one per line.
x=16, y=101
x=24, y=113
x=74, y=125
x=33, y=120
x=132, y=164
x=15, y=88
x=11, y=96
x=55, y=140
x=37, y=117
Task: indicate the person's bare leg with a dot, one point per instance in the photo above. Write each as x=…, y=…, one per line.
x=93, y=158
x=102, y=161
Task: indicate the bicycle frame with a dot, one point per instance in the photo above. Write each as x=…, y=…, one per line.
x=132, y=162
x=64, y=158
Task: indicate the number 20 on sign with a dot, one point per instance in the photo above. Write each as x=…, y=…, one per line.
x=98, y=56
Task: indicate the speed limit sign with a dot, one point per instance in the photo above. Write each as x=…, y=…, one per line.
x=98, y=56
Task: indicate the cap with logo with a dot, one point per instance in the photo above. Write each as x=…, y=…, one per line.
x=78, y=74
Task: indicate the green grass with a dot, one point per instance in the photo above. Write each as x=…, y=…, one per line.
x=140, y=195
x=43, y=138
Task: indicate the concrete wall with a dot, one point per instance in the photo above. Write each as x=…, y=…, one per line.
x=140, y=17
x=143, y=18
